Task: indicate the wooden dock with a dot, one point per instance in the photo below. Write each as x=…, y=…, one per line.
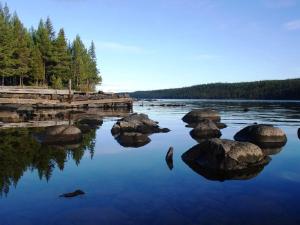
x=51, y=98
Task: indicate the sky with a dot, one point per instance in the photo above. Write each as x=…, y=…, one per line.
x=155, y=44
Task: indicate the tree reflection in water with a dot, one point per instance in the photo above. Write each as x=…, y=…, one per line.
x=20, y=151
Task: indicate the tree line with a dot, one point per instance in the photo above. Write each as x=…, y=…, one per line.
x=41, y=57
x=261, y=90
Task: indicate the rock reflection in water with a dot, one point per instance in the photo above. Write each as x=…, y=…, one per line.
x=221, y=175
x=271, y=151
x=133, y=139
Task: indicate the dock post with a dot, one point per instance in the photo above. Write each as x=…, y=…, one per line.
x=70, y=91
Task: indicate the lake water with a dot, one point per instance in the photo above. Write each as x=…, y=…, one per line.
x=135, y=185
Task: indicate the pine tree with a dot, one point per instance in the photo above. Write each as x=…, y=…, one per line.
x=5, y=44
x=42, y=40
x=21, y=50
x=78, y=70
x=37, y=65
x=92, y=51
x=95, y=78
x=61, y=59
x=50, y=29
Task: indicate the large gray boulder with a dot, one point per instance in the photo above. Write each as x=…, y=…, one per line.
x=62, y=134
x=206, y=129
x=199, y=115
x=263, y=135
x=225, y=155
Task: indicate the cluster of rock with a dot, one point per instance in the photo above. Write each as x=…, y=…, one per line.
x=205, y=123
x=223, y=159
x=134, y=130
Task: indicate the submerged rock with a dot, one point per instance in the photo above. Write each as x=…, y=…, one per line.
x=72, y=194
x=62, y=134
x=133, y=130
x=199, y=115
x=169, y=158
x=206, y=129
x=266, y=136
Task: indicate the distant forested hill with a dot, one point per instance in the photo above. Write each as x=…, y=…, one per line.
x=268, y=89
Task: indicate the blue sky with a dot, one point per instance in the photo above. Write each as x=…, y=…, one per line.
x=153, y=44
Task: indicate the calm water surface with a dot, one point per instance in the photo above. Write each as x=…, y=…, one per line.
x=135, y=185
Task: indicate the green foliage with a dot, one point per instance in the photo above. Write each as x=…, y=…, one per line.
x=270, y=89
x=40, y=57
x=56, y=82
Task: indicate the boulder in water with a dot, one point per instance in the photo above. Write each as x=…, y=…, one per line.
x=222, y=154
x=137, y=123
x=220, y=159
x=206, y=129
x=133, y=130
x=198, y=115
x=264, y=135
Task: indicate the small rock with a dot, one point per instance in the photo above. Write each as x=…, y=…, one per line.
x=169, y=158
x=164, y=130
x=72, y=194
